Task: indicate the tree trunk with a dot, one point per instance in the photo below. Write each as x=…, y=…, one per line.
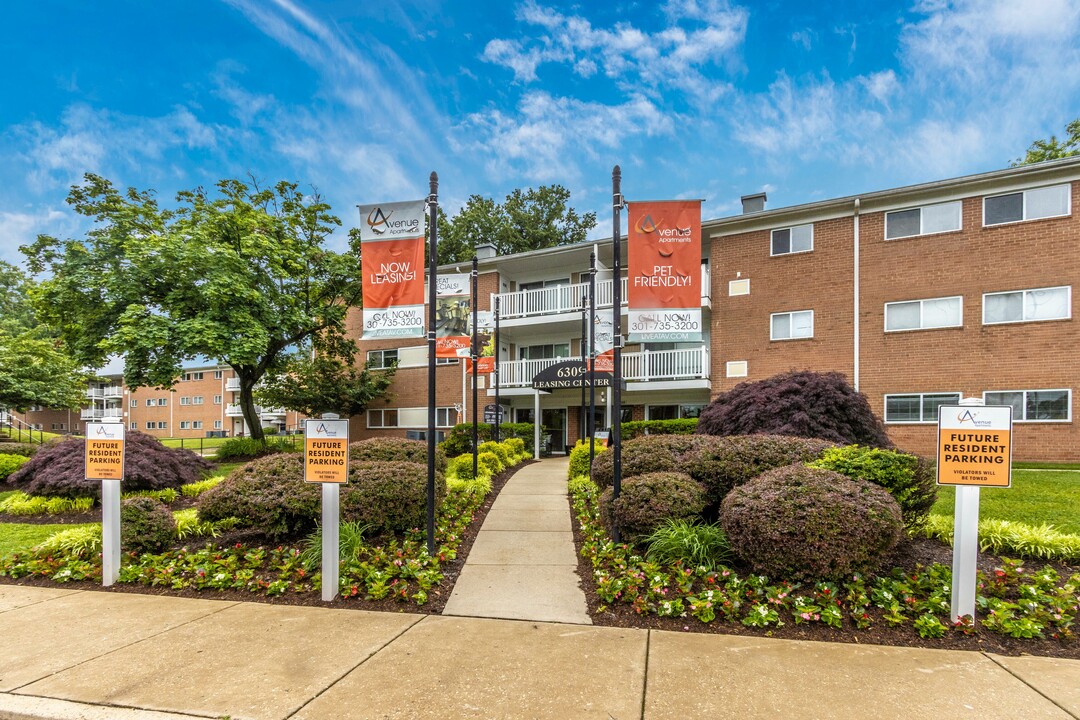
x=247, y=405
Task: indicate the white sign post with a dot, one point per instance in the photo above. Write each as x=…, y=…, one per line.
x=104, y=460
x=974, y=450
x=326, y=461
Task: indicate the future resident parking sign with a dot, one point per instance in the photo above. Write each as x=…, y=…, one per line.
x=104, y=459
x=975, y=445
x=326, y=451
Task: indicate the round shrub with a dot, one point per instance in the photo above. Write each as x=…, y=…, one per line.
x=57, y=469
x=461, y=467
x=395, y=450
x=516, y=445
x=722, y=463
x=11, y=463
x=146, y=525
x=579, y=459
x=647, y=501
x=390, y=497
x=647, y=454
x=490, y=463
x=910, y=479
x=498, y=449
x=269, y=495
x=804, y=404
x=802, y=523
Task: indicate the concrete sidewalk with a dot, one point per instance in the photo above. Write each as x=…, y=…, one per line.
x=90, y=655
x=523, y=565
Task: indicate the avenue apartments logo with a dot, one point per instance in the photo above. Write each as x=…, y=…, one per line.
x=381, y=223
x=968, y=416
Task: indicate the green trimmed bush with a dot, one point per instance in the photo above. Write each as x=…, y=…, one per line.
x=11, y=463
x=268, y=495
x=459, y=440
x=490, y=463
x=20, y=448
x=57, y=469
x=911, y=480
x=722, y=463
x=515, y=444
x=802, y=523
x=461, y=467
x=579, y=458
x=146, y=525
x=647, y=501
x=500, y=451
x=248, y=447
x=637, y=428
x=647, y=454
x=383, y=449
x=388, y=497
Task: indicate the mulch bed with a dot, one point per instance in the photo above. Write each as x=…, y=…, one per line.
x=437, y=596
x=907, y=555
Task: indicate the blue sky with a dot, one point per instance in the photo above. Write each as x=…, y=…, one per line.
x=362, y=99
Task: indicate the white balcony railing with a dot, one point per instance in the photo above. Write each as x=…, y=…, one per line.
x=644, y=366
x=114, y=412
x=568, y=298
x=271, y=413
x=95, y=393
x=91, y=414
x=232, y=385
x=113, y=391
x=233, y=410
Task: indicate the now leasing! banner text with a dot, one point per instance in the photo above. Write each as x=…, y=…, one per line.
x=392, y=253
x=664, y=273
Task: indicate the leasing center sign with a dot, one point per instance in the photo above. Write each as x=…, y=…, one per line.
x=975, y=445
x=392, y=254
x=664, y=284
x=104, y=459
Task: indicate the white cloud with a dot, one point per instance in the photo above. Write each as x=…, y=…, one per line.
x=699, y=34
x=22, y=228
x=550, y=136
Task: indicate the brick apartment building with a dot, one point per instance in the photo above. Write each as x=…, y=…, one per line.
x=920, y=295
x=203, y=403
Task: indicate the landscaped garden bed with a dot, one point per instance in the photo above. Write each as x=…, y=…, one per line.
x=252, y=536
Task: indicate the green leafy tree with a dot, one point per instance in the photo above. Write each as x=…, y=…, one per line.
x=242, y=275
x=323, y=384
x=16, y=313
x=1053, y=149
x=37, y=371
x=526, y=220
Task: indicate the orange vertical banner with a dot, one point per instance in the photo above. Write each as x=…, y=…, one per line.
x=664, y=271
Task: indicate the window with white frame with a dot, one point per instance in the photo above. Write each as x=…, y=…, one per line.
x=381, y=359
x=792, y=325
x=925, y=220
x=795, y=239
x=217, y=374
x=185, y=400
x=150, y=402
x=197, y=400
x=446, y=417
x=446, y=361
x=1053, y=303
x=133, y=403
x=196, y=425
x=149, y=426
x=1034, y=405
x=924, y=314
x=917, y=407
x=544, y=352
x=185, y=424
x=382, y=418
x=673, y=412
x=162, y=402
x=59, y=426
x=217, y=399
x=134, y=425
x=162, y=425
x=1034, y=204
x=217, y=424
x=196, y=376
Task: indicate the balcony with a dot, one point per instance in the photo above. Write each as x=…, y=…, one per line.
x=233, y=410
x=94, y=393
x=232, y=385
x=644, y=366
x=113, y=391
x=270, y=414
x=100, y=414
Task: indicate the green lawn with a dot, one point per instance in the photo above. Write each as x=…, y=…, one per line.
x=18, y=537
x=1036, y=497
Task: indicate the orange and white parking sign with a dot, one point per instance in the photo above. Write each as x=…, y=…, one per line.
x=975, y=445
x=326, y=451
x=104, y=454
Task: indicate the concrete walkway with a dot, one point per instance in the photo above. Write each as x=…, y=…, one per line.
x=523, y=565
x=91, y=655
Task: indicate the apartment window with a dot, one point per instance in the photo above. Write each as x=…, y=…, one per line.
x=184, y=400
x=196, y=376
x=381, y=359
x=59, y=426
x=792, y=325
x=673, y=412
x=217, y=424
x=134, y=426
x=544, y=352
x=446, y=417
x=197, y=400
x=133, y=403
x=917, y=408
x=196, y=424
x=217, y=374
x=926, y=220
x=149, y=426
x=162, y=425
x=924, y=314
x=185, y=424
x=162, y=402
x=1034, y=405
x=185, y=377
x=150, y=402
x=797, y=239
x=540, y=284
x=1028, y=305
x=446, y=361
x=1033, y=204
x=217, y=399
x=382, y=418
